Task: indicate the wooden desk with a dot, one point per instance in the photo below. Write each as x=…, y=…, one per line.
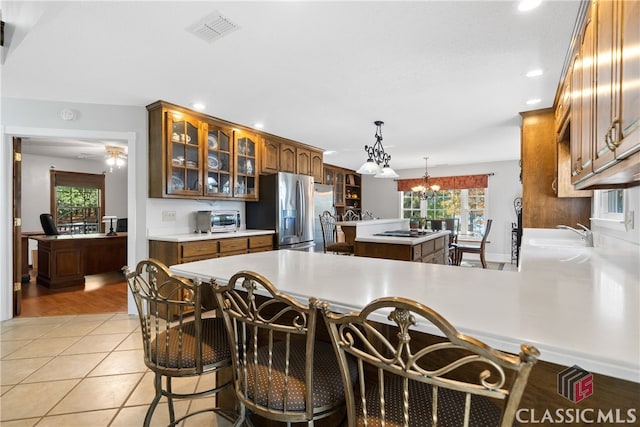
x=64, y=260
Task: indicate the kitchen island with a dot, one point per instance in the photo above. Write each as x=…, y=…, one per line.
x=579, y=309
x=392, y=239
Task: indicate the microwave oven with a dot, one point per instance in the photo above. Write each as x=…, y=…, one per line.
x=217, y=221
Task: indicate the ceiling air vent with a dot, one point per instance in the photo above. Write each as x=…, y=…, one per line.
x=212, y=27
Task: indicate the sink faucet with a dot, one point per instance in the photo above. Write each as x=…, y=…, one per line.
x=585, y=234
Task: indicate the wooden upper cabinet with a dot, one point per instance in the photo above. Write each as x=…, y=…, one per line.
x=582, y=107
x=628, y=125
x=303, y=161
x=605, y=118
x=317, y=165
x=246, y=149
x=176, y=140
x=606, y=80
x=287, y=158
x=218, y=170
x=270, y=156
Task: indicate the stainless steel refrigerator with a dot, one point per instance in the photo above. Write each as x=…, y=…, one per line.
x=286, y=206
x=322, y=201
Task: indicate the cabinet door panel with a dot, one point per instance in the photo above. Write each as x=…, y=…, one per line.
x=606, y=83
x=287, y=158
x=217, y=170
x=303, y=161
x=630, y=75
x=246, y=165
x=270, y=157
x=183, y=155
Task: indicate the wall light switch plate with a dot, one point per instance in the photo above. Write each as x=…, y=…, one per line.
x=168, y=216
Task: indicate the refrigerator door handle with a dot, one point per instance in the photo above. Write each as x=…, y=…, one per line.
x=299, y=209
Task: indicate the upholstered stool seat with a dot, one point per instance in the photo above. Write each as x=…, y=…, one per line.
x=181, y=351
x=327, y=389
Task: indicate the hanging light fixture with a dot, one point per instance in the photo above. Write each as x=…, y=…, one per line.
x=115, y=156
x=425, y=190
x=377, y=157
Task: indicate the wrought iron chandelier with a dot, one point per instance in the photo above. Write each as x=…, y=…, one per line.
x=378, y=162
x=425, y=190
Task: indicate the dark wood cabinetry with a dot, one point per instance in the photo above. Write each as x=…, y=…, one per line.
x=434, y=251
x=280, y=155
x=172, y=253
x=193, y=155
x=65, y=260
x=604, y=117
x=540, y=206
x=347, y=192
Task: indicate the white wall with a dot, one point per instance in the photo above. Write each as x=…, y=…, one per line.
x=381, y=197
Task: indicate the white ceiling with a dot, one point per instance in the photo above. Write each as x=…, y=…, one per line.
x=446, y=77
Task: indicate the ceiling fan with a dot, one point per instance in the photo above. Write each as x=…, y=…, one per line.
x=115, y=156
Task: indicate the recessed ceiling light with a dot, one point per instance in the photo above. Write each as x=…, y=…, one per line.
x=327, y=152
x=535, y=73
x=527, y=5
x=198, y=106
x=258, y=125
x=533, y=101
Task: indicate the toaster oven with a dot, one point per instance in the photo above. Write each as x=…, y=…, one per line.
x=217, y=221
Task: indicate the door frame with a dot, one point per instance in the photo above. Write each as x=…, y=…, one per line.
x=6, y=194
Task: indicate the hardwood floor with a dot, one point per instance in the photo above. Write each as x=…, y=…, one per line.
x=102, y=293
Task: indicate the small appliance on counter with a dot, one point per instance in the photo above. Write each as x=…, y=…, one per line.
x=217, y=221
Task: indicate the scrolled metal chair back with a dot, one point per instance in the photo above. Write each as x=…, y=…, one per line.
x=177, y=340
x=421, y=379
x=266, y=328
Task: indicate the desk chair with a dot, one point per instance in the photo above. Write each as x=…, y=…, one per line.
x=177, y=340
x=330, y=236
x=48, y=226
x=462, y=249
x=121, y=225
x=281, y=372
x=408, y=378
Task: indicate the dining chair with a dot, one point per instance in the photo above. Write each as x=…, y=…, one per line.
x=178, y=341
x=281, y=372
x=366, y=215
x=407, y=378
x=460, y=250
x=330, y=236
x=351, y=215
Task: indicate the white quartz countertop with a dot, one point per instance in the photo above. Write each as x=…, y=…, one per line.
x=578, y=305
x=194, y=237
x=403, y=240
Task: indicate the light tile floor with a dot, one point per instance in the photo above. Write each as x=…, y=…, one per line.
x=84, y=370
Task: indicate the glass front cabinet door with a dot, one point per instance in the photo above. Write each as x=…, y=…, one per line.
x=246, y=162
x=184, y=155
x=218, y=171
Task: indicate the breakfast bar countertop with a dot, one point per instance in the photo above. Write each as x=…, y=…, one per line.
x=578, y=305
x=194, y=237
